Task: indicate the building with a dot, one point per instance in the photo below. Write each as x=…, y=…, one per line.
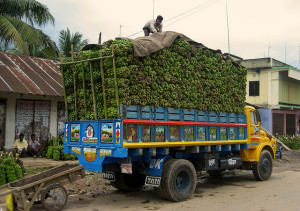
x=31, y=98
x=274, y=87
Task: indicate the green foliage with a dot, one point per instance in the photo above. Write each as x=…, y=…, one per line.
x=180, y=76
x=56, y=151
x=292, y=142
x=66, y=40
x=49, y=154
x=18, y=19
x=11, y=167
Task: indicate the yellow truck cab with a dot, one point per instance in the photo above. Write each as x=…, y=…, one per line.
x=262, y=148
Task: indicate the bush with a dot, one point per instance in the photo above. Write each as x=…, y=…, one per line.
x=292, y=142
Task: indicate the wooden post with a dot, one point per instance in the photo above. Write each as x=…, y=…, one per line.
x=93, y=87
x=116, y=82
x=64, y=87
x=103, y=85
x=74, y=81
x=84, y=90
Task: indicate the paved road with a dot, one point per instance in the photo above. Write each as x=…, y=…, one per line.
x=232, y=192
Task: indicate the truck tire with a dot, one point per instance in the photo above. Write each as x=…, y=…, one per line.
x=178, y=180
x=263, y=169
x=129, y=182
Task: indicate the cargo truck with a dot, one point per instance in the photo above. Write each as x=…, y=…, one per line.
x=160, y=146
x=165, y=147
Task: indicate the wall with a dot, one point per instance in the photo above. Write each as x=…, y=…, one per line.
x=268, y=88
x=11, y=114
x=289, y=89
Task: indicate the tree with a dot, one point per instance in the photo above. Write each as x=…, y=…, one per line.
x=66, y=39
x=17, y=21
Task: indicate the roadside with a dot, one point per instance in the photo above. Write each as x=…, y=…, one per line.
x=94, y=185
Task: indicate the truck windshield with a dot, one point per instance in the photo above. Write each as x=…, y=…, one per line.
x=253, y=118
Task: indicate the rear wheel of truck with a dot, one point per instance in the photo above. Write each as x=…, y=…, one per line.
x=178, y=180
x=128, y=182
x=263, y=169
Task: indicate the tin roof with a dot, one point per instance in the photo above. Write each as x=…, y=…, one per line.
x=29, y=75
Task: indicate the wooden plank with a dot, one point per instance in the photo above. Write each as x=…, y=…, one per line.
x=116, y=82
x=39, y=176
x=56, y=176
x=35, y=196
x=103, y=85
x=93, y=87
x=65, y=93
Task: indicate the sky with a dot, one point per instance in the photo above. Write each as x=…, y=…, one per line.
x=257, y=28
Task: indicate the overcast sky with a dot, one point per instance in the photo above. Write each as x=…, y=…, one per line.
x=257, y=28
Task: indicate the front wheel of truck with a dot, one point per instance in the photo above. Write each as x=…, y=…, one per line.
x=263, y=169
x=178, y=180
x=128, y=182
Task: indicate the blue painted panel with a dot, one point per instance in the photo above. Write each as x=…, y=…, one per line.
x=146, y=116
x=232, y=117
x=189, y=118
x=155, y=166
x=174, y=117
x=173, y=111
x=187, y=111
x=131, y=115
x=146, y=109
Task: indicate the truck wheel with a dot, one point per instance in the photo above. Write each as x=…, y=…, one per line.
x=263, y=169
x=129, y=182
x=178, y=180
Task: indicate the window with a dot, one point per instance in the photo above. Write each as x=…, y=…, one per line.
x=253, y=88
x=253, y=118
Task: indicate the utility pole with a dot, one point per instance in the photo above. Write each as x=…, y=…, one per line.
x=99, y=38
x=120, y=34
x=285, y=53
x=227, y=29
x=269, y=49
x=153, y=10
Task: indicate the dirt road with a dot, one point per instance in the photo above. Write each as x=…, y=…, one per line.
x=232, y=192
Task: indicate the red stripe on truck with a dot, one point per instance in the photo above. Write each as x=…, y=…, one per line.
x=152, y=122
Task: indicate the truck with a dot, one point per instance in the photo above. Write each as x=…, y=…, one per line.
x=165, y=147
x=160, y=146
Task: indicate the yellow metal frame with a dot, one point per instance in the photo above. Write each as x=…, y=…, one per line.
x=182, y=143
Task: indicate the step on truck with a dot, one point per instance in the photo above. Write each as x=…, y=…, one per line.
x=165, y=147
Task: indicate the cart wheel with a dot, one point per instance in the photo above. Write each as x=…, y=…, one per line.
x=54, y=197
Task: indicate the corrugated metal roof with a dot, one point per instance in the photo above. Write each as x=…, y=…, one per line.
x=29, y=75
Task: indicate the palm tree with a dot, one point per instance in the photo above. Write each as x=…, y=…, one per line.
x=17, y=21
x=66, y=39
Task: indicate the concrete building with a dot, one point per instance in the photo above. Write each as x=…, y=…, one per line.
x=31, y=98
x=274, y=87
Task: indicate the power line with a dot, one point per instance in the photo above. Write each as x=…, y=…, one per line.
x=195, y=9
x=210, y=3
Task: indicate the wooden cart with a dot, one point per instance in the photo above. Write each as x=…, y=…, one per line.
x=46, y=187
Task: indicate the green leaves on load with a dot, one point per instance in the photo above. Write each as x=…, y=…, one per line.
x=181, y=76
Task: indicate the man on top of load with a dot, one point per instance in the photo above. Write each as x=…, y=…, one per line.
x=153, y=26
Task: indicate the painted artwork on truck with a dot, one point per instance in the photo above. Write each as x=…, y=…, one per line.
x=201, y=133
x=75, y=132
x=106, y=133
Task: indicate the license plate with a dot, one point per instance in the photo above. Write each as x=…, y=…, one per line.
x=109, y=176
x=152, y=181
